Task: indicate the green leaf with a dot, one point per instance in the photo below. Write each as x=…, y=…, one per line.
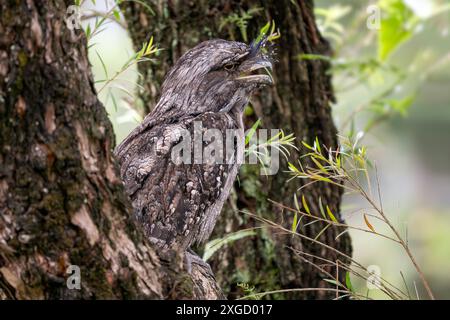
x=322, y=231
x=334, y=282
x=264, y=30
x=348, y=282
x=397, y=25
x=321, y=208
x=116, y=15
x=212, y=246
x=331, y=215
x=305, y=205
x=113, y=98
x=319, y=165
x=297, y=206
x=402, y=105
x=150, y=49
x=292, y=167
x=88, y=30
x=338, y=161
x=248, y=110
x=145, y=5
x=103, y=64
x=320, y=178
x=294, y=223
x=317, y=145
x=252, y=131
x=307, y=145
x=305, y=56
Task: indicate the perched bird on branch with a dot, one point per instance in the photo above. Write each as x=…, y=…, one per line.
x=178, y=203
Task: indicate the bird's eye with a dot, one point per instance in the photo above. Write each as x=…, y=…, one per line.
x=230, y=66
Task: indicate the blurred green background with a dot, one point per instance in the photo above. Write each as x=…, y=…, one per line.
x=392, y=82
x=408, y=113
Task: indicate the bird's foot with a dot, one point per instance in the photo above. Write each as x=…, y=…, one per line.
x=190, y=258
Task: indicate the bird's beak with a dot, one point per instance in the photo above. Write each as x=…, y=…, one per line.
x=249, y=71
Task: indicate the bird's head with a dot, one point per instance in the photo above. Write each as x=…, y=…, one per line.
x=216, y=75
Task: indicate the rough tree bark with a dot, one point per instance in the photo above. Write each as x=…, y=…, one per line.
x=299, y=103
x=61, y=199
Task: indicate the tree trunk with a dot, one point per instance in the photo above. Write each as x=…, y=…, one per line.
x=61, y=199
x=298, y=103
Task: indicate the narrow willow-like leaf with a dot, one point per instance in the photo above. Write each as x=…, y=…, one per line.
x=307, y=145
x=348, y=282
x=293, y=168
x=331, y=215
x=212, y=246
x=305, y=205
x=88, y=31
x=322, y=231
x=321, y=208
x=318, y=145
x=252, y=131
x=297, y=206
x=319, y=165
x=320, y=178
x=105, y=70
x=294, y=223
x=332, y=281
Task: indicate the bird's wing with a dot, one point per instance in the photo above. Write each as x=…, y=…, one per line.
x=171, y=198
x=162, y=113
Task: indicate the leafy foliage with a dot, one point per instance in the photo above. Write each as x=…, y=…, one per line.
x=397, y=26
x=239, y=20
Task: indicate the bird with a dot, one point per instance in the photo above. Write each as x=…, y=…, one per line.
x=178, y=204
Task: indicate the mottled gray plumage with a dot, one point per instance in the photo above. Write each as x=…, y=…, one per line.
x=178, y=205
